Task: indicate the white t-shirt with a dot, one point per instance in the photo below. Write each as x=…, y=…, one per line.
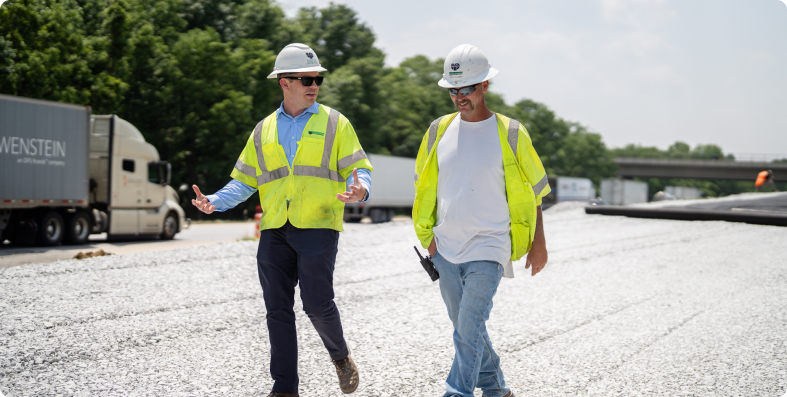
x=473, y=221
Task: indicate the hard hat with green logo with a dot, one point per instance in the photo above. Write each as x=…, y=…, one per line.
x=466, y=65
x=296, y=58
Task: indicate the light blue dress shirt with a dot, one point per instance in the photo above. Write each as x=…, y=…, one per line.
x=290, y=130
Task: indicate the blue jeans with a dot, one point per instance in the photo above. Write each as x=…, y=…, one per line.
x=468, y=289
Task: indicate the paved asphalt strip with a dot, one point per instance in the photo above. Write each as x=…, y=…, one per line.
x=757, y=209
x=691, y=214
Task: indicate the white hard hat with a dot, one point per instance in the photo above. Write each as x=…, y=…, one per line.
x=296, y=58
x=466, y=65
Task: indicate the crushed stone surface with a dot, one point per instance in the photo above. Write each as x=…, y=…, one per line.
x=625, y=307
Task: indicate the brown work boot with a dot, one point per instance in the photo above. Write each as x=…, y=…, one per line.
x=348, y=373
x=280, y=394
x=510, y=394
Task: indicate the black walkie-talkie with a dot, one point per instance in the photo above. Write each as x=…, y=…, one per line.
x=428, y=265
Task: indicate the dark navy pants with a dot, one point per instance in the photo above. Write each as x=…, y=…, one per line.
x=286, y=257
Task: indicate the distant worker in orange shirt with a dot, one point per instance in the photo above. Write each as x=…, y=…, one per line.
x=764, y=178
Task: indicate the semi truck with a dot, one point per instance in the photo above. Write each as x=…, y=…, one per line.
x=66, y=173
x=624, y=191
x=392, y=187
x=575, y=189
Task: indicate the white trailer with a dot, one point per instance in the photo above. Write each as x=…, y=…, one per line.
x=623, y=191
x=392, y=187
x=683, y=192
x=66, y=174
x=574, y=189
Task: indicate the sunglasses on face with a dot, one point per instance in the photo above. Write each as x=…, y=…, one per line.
x=307, y=81
x=464, y=90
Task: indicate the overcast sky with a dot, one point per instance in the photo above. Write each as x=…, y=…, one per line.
x=636, y=71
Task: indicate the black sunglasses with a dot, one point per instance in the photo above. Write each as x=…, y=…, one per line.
x=464, y=90
x=307, y=81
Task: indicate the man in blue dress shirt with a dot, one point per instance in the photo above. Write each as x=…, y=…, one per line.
x=299, y=237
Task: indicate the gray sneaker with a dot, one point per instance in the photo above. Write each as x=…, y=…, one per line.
x=347, y=373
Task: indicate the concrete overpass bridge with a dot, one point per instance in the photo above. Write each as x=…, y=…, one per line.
x=697, y=169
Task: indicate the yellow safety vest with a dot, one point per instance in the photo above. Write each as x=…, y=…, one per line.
x=526, y=182
x=304, y=194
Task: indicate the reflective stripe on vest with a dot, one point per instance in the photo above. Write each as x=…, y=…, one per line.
x=319, y=172
x=266, y=176
x=323, y=171
x=351, y=159
x=513, y=135
x=245, y=169
x=433, y=134
x=513, y=141
x=539, y=187
x=432, y=138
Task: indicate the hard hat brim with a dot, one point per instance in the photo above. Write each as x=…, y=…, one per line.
x=464, y=83
x=311, y=69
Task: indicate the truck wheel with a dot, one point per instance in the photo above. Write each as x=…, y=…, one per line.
x=50, y=229
x=101, y=222
x=377, y=215
x=23, y=233
x=170, y=227
x=77, y=228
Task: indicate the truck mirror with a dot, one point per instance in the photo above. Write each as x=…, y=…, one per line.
x=168, y=179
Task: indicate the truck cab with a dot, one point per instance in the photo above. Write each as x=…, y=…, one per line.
x=130, y=183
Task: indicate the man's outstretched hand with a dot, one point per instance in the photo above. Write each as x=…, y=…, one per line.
x=356, y=191
x=202, y=203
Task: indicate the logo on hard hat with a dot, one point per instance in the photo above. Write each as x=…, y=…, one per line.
x=455, y=66
x=310, y=55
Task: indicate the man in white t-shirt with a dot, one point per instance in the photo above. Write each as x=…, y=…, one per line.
x=479, y=185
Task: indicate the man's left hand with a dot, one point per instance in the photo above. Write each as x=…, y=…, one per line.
x=356, y=191
x=537, y=258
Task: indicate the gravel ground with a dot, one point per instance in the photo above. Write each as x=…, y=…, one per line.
x=625, y=307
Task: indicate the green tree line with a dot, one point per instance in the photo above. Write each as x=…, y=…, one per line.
x=191, y=75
